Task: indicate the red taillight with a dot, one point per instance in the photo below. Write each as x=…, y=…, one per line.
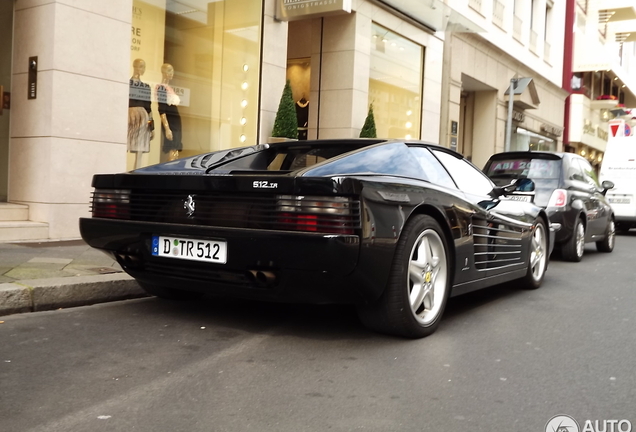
x=300, y=222
x=331, y=215
x=559, y=198
x=111, y=203
x=315, y=223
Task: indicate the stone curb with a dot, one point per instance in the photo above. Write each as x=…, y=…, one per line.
x=46, y=294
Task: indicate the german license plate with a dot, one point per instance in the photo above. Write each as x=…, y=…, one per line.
x=525, y=198
x=214, y=251
x=619, y=200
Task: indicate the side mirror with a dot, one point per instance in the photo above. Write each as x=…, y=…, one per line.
x=521, y=185
x=607, y=184
x=525, y=185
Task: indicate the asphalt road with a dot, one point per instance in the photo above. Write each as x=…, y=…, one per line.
x=502, y=360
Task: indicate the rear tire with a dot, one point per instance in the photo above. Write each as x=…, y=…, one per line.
x=621, y=228
x=419, y=283
x=573, y=249
x=169, y=293
x=538, y=261
x=607, y=244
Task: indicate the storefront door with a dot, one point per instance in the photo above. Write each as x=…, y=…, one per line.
x=6, y=42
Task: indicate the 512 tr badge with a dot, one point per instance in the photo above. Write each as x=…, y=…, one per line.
x=264, y=184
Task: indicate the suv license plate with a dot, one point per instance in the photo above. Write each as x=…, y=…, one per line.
x=214, y=251
x=525, y=198
x=619, y=200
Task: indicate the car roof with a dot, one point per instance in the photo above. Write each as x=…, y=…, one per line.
x=531, y=154
x=350, y=141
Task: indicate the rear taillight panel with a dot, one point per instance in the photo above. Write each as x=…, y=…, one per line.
x=334, y=215
x=558, y=199
x=111, y=203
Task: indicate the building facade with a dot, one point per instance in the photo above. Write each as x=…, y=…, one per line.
x=515, y=50
x=99, y=87
x=602, y=72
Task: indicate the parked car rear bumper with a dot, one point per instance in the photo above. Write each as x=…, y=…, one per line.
x=566, y=218
x=261, y=264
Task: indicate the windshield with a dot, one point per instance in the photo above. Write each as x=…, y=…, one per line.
x=524, y=168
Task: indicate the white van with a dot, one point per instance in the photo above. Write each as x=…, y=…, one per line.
x=619, y=166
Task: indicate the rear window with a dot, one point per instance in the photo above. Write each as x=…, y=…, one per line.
x=279, y=158
x=390, y=159
x=524, y=168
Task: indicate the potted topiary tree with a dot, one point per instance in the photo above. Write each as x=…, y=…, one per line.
x=286, y=122
x=368, y=130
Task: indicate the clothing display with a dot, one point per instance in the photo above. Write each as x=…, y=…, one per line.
x=302, y=114
x=140, y=124
x=168, y=102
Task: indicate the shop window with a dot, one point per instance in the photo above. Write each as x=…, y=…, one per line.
x=395, y=84
x=194, y=77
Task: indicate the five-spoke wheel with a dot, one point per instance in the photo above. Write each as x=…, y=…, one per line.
x=428, y=276
x=539, y=254
x=419, y=283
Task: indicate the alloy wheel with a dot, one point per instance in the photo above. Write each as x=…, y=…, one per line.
x=538, y=252
x=580, y=239
x=427, y=277
x=611, y=234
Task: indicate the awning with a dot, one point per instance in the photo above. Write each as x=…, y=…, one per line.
x=614, y=11
x=434, y=14
x=525, y=94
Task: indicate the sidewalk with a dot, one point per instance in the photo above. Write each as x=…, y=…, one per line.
x=46, y=275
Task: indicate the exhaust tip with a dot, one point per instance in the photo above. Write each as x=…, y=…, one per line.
x=262, y=277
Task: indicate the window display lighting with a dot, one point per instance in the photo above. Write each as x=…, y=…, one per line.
x=397, y=104
x=243, y=119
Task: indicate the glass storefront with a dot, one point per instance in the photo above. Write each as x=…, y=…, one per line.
x=395, y=84
x=523, y=140
x=194, y=86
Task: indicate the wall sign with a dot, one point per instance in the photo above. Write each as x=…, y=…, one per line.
x=453, y=143
x=290, y=10
x=518, y=116
x=553, y=130
x=33, y=77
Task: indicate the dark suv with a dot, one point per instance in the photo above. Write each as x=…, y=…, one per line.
x=567, y=187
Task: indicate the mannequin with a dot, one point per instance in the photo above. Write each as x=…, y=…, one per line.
x=140, y=124
x=302, y=113
x=170, y=119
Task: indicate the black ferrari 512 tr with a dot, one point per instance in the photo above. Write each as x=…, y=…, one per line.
x=393, y=227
